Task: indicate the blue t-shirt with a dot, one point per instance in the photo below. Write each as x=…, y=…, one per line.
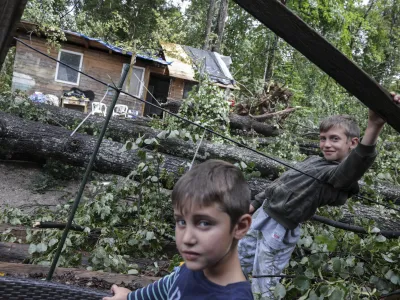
x=193, y=285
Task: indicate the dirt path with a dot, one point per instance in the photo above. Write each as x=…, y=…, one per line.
x=17, y=186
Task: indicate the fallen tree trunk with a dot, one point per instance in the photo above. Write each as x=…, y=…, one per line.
x=236, y=121
x=123, y=129
x=248, y=123
x=46, y=141
x=39, y=141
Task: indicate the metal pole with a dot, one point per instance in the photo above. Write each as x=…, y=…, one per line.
x=87, y=173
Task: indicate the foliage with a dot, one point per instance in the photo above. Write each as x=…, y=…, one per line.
x=121, y=219
x=17, y=103
x=6, y=71
x=205, y=105
x=331, y=263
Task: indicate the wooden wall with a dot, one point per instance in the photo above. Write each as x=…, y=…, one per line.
x=176, y=88
x=35, y=72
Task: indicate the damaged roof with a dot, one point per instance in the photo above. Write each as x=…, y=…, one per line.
x=115, y=48
x=88, y=42
x=184, y=60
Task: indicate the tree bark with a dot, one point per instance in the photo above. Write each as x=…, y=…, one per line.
x=40, y=141
x=210, y=17
x=269, y=65
x=236, y=121
x=222, y=15
x=247, y=123
x=178, y=152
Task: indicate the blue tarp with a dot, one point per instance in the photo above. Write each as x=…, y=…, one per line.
x=118, y=49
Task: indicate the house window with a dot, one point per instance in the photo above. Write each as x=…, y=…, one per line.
x=65, y=74
x=188, y=88
x=135, y=86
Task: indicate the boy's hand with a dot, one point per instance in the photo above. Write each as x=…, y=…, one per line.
x=120, y=293
x=396, y=97
x=375, y=124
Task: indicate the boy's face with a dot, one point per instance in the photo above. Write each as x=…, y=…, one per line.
x=335, y=144
x=203, y=235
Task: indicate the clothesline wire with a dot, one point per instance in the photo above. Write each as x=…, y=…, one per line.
x=196, y=124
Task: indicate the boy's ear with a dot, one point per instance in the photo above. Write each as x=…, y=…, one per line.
x=354, y=142
x=242, y=226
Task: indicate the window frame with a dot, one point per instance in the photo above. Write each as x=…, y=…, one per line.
x=141, y=82
x=80, y=67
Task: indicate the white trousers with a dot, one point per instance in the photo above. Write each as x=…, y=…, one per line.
x=260, y=257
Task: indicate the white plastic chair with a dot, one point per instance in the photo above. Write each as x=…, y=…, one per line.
x=99, y=108
x=120, y=110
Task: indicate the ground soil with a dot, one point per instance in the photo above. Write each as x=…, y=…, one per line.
x=19, y=182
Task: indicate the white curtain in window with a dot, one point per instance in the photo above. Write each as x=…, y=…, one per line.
x=65, y=73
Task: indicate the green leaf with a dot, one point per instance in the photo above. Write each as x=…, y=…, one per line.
x=325, y=290
x=41, y=247
x=315, y=261
x=336, y=264
x=395, y=279
x=380, y=238
x=350, y=262
x=149, y=235
x=389, y=274
x=387, y=258
x=305, y=296
x=32, y=248
x=133, y=272
x=162, y=134
x=337, y=294
x=53, y=242
x=280, y=291
x=302, y=283
x=304, y=260
x=375, y=230
x=309, y=273
x=359, y=270
x=313, y=296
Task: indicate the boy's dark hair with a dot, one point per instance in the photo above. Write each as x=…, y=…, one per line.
x=347, y=122
x=214, y=181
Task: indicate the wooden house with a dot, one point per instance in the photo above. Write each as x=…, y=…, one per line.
x=162, y=77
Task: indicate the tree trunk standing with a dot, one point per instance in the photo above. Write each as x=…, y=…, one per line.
x=210, y=17
x=269, y=66
x=222, y=16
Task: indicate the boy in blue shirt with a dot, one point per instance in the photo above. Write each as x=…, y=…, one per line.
x=211, y=204
x=295, y=197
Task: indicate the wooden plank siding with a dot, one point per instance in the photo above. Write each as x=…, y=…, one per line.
x=39, y=71
x=176, y=88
